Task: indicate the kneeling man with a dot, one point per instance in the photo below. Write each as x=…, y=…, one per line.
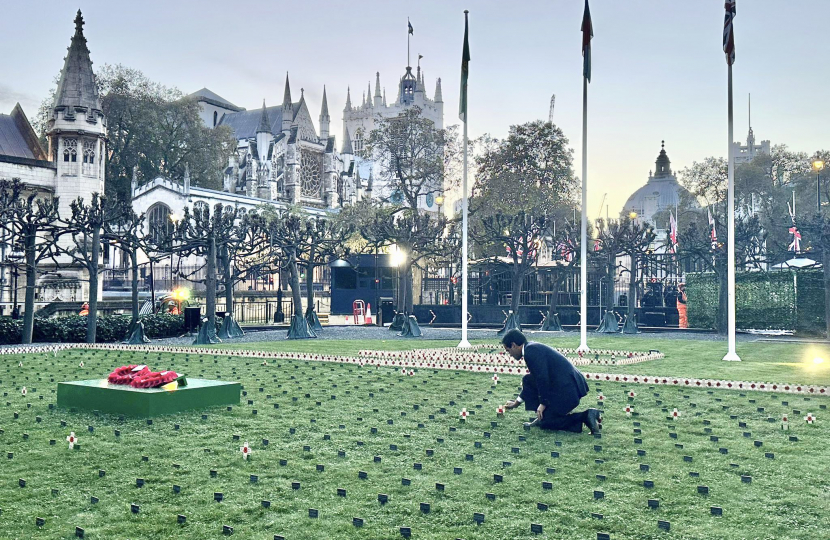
x=553, y=387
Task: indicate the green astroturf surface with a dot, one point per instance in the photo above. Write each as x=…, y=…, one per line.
x=786, y=498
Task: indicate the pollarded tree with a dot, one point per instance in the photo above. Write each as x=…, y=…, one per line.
x=418, y=236
x=243, y=252
x=609, y=243
x=563, y=241
x=202, y=232
x=287, y=231
x=85, y=228
x=31, y=223
x=637, y=241
x=127, y=232
x=324, y=240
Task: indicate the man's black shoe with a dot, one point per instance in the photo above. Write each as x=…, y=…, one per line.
x=528, y=425
x=592, y=417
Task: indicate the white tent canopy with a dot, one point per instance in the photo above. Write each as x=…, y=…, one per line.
x=798, y=262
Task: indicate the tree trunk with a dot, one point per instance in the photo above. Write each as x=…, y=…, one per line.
x=295, y=283
x=515, y=300
x=826, y=273
x=92, y=268
x=309, y=281
x=632, y=287
x=210, y=283
x=31, y=281
x=554, y=297
x=609, y=287
x=134, y=291
x=228, y=280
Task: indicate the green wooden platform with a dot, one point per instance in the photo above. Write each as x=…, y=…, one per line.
x=100, y=395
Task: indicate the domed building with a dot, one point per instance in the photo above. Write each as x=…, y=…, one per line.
x=661, y=192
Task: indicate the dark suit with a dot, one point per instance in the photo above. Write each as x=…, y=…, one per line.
x=556, y=383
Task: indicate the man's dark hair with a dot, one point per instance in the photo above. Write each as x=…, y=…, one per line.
x=513, y=337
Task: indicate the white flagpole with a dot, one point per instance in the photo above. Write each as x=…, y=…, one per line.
x=583, y=261
x=731, y=355
x=464, y=342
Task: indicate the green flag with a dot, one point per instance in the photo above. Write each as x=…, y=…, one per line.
x=465, y=71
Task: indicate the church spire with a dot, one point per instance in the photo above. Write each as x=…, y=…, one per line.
x=348, y=98
x=378, y=98
x=76, y=87
x=264, y=124
x=286, y=98
x=287, y=108
x=439, y=98
x=324, y=117
x=369, y=95
x=347, y=143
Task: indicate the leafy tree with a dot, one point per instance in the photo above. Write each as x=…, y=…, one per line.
x=415, y=160
x=522, y=184
x=30, y=221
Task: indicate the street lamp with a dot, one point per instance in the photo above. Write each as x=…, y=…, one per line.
x=632, y=214
x=818, y=165
x=439, y=200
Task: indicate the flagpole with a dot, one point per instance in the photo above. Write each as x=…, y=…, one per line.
x=464, y=307
x=583, y=250
x=731, y=355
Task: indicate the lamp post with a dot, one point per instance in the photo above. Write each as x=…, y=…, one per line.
x=818, y=165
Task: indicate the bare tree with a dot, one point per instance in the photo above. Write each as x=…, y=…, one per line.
x=30, y=220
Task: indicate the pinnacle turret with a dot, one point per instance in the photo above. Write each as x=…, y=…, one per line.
x=438, y=97
x=286, y=99
x=76, y=87
x=348, y=98
x=264, y=124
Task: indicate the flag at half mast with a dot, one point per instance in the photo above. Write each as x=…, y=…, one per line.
x=465, y=71
x=587, y=34
x=728, y=34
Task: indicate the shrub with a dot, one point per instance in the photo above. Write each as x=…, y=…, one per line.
x=72, y=328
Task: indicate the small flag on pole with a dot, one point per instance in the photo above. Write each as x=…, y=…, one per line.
x=795, y=245
x=465, y=71
x=587, y=34
x=673, y=233
x=411, y=30
x=728, y=34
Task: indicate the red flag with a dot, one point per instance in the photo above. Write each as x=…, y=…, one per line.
x=728, y=34
x=795, y=245
x=673, y=233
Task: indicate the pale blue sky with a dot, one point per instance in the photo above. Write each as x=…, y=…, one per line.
x=658, y=68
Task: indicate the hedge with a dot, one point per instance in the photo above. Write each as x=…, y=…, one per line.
x=763, y=301
x=72, y=329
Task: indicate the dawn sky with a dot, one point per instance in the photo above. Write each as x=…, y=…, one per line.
x=658, y=67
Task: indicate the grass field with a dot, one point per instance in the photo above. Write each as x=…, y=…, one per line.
x=786, y=498
x=761, y=361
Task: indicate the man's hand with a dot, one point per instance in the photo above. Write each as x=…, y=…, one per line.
x=511, y=404
x=540, y=411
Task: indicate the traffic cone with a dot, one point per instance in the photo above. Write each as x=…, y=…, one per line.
x=368, y=318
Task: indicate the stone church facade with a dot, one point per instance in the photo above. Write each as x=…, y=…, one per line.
x=71, y=166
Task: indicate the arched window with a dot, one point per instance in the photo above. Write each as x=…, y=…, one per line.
x=357, y=143
x=70, y=150
x=89, y=157
x=215, y=115
x=158, y=221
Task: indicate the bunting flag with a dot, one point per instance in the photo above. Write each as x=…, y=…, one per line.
x=411, y=30
x=728, y=34
x=673, y=233
x=714, y=233
x=465, y=71
x=587, y=34
x=795, y=245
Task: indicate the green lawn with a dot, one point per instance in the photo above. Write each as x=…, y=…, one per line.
x=761, y=361
x=787, y=496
